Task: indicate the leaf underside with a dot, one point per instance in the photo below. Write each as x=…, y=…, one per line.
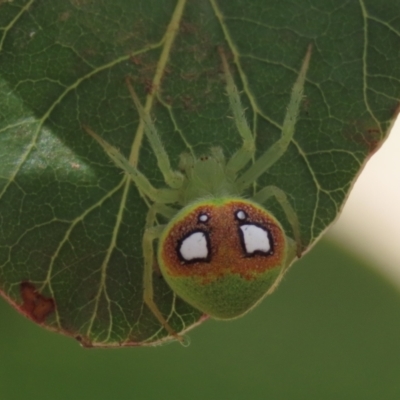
x=71, y=223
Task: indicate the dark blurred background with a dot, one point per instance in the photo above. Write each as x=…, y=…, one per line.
x=330, y=331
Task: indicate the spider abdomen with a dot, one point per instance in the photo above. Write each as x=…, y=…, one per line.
x=222, y=255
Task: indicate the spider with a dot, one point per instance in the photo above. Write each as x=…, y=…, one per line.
x=220, y=252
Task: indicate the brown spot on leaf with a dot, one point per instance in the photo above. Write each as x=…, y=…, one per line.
x=188, y=103
x=149, y=87
x=34, y=305
x=168, y=99
x=365, y=134
x=136, y=60
x=188, y=28
x=372, y=139
x=84, y=341
x=306, y=105
x=64, y=16
x=190, y=76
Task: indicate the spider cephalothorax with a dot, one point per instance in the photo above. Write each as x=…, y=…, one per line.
x=220, y=252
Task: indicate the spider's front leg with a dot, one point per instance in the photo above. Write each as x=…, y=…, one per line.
x=163, y=195
x=172, y=178
x=246, y=152
x=278, y=149
x=152, y=233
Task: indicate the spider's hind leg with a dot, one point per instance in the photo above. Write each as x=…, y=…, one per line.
x=152, y=233
x=273, y=191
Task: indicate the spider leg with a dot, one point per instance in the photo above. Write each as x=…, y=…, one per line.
x=172, y=178
x=142, y=183
x=151, y=233
x=279, y=148
x=246, y=152
x=269, y=191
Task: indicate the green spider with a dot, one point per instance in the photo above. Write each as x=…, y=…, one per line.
x=220, y=252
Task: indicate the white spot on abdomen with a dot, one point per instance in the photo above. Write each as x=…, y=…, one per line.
x=241, y=215
x=203, y=218
x=194, y=247
x=255, y=239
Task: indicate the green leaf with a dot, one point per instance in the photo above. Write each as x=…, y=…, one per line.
x=72, y=224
